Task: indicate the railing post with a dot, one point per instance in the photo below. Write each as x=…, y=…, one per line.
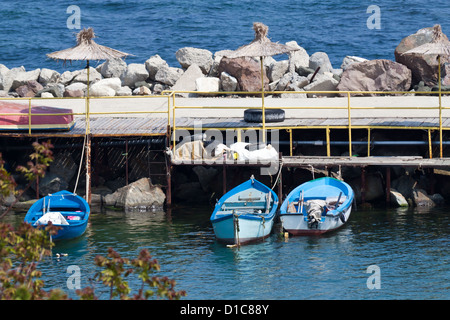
x=368, y=142
x=29, y=116
x=328, y=142
x=349, y=125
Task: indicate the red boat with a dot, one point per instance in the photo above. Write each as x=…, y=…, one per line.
x=16, y=117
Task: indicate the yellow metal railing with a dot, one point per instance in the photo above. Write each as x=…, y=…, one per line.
x=348, y=107
x=88, y=113
x=173, y=106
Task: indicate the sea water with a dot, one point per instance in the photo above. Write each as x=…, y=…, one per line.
x=385, y=253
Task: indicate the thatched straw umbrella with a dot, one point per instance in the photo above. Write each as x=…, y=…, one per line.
x=260, y=47
x=439, y=46
x=86, y=49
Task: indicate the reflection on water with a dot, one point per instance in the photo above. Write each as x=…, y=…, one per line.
x=411, y=248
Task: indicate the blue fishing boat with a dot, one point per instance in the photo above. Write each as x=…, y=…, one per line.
x=316, y=207
x=245, y=214
x=63, y=209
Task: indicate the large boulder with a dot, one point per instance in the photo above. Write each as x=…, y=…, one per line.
x=74, y=90
x=135, y=72
x=320, y=60
x=139, y=194
x=247, y=72
x=29, y=89
x=82, y=76
x=228, y=83
x=423, y=66
x=153, y=64
x=322, y=82
x=297, y=59
x=187, y=80
x=48, y=77
x=349, y=60
x=375, y=75
x=105, y=87
x=188, y=56
x=22, y=78
x=168, y=75
x=113, y=68
x=278, y=69
x=208, y=84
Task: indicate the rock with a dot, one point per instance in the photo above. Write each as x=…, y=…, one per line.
x=304, y=71
x=82, y=76
x=421, y=198
x=101, y=91
x=320, y=59
x=153, y=64
x=68, y=76
x=187, y=80
x=404, y=184
x=56, y=90
x=209, y=84
x=349, y=60
x=188, y=56
x=113, y=68
x=51, y=183
x=445, y=74
x=398, y=199
x=247, y=72
x=22, y=78
x=29, y=89
x=105, y=87
x=205, y=176
x=138, y=194
x=47, y=95
x=228, y=83
x=374, y=187
x=63, y=166
x=48, y=77
x=142, y=91
x=322, y=83
x=375, y=75
x=424, y=67
x=135, y=72
x=214, y=71
x=124, y=91
x=159, y=87
x=278, y=69
x=290, y=81
x=168, y=75
x=76, y=89
x=297, y=59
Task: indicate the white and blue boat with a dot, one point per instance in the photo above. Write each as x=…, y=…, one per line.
x=316, y=207
x=63, y=209
x=245, y=214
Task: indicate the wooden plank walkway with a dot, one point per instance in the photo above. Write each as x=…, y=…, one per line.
x=321, y=162
x=157, y=126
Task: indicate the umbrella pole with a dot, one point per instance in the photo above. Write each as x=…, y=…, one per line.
x=262, y=97
x=88, y=144
x=440, y=107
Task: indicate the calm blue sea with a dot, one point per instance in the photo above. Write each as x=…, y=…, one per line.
x=30, y=29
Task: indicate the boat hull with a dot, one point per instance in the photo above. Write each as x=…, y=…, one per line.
x=245, y=214
x=317, y=207
x=242, y=230
x=72, y=211
x=15, y=117
x=296, y=225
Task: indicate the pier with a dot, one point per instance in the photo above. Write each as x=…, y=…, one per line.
x=316, y=132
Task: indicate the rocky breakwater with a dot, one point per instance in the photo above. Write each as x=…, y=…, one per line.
x=201, y=70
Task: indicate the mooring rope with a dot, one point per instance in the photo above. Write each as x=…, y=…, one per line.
x=79, y=167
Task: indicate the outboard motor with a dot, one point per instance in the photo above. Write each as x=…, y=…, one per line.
x=315, y=209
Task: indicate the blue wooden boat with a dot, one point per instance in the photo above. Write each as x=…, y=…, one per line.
x=64, y=209
x=316, y=207
x=245, y=214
